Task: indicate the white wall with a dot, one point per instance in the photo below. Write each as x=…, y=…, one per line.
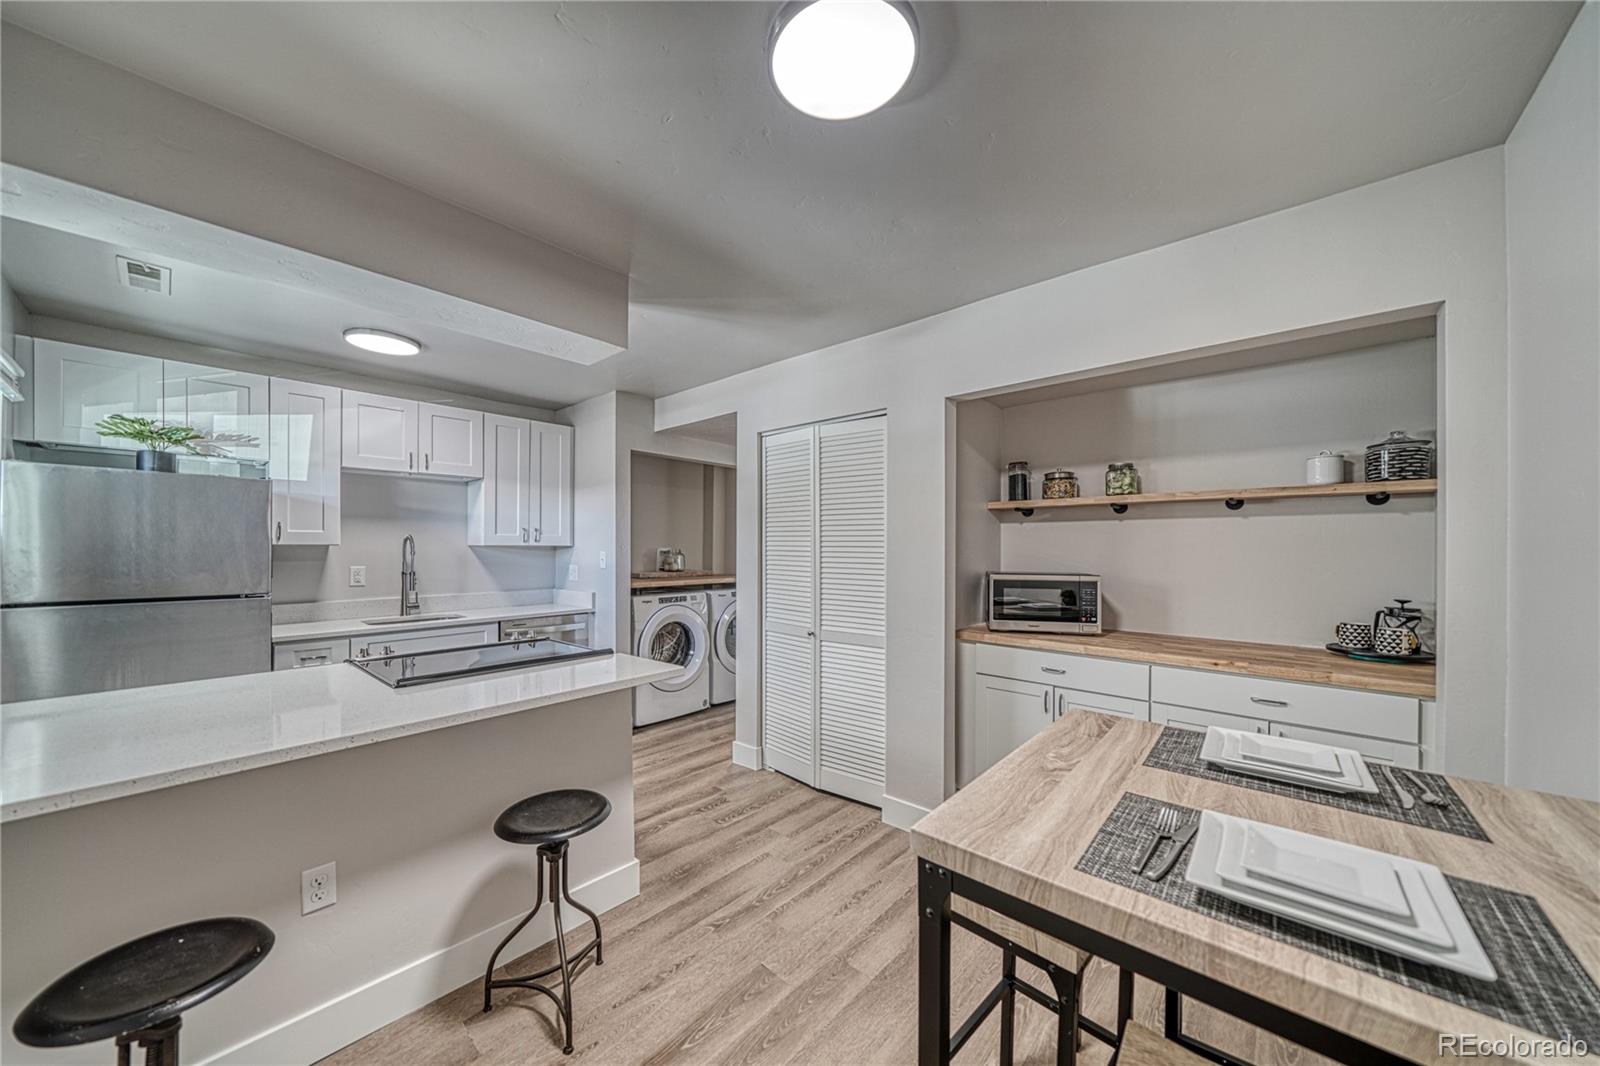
x=671, y=502
x=1433, y=237
x=1553, y=356
x=1278, y=572
x=376, y=514
x=426, y=890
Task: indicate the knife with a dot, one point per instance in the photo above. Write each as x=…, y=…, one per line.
x=1180, y=840
x=1407, y=801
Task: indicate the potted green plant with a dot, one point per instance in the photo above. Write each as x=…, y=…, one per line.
x=155, y=440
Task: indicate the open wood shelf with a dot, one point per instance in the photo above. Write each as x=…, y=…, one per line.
x=1376, y=492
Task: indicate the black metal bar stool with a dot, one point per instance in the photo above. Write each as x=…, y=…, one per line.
x=550, y=820
x=139, y=991
x=1062, y=963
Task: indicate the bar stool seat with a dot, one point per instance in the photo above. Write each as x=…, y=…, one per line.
x=138, y=992
x=550, y=820
x=551, y=817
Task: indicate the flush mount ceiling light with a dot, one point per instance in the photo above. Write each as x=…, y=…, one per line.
x=382, y=341
x=839, y=59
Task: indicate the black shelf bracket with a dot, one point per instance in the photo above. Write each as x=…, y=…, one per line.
x=1119, y=508
x=1025, y=512
x=1377, y=499
x=1233, y=503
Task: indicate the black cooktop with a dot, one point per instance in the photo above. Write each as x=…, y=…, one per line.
x=402, y=671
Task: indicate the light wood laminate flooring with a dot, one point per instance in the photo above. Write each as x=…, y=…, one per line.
x=775, y=924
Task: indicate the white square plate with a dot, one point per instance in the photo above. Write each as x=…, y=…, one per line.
x=1466, y=957
x=1426, y=925
x=1285, y=751
x=1325, y=867
x=1221, y=748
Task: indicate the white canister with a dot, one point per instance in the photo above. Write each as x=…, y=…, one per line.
x=1325, y=468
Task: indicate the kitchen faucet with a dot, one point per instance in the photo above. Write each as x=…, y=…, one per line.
x=408, y=576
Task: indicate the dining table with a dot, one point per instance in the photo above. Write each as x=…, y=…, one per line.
x=1027, y=839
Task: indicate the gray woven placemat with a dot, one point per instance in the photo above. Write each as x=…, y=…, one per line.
x=1178, y=750
x=1542, y=987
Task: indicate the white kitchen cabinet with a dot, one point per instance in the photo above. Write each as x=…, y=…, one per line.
x=305, y=439
x=1371, y=714
x=303, y=653
x=1072, y=700
x=1199, y=720
x=552, y=515
x=525, y=497
x=73, y=386
x=500, y=505
x=1008, y=713
x=1371, y=748
x=380, y=433
x=228, y=403
x=450, y=441
x=410, y=642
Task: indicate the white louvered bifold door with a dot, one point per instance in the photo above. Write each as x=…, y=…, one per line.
x=789, y=602
x=852, y=558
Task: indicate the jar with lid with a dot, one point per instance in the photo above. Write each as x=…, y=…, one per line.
x=1122, y=479
x=1399, y=457
x=1018, y=480
x=1060, y=485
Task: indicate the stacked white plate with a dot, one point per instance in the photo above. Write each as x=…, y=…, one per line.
x=1296, y=762
x=1397, y=904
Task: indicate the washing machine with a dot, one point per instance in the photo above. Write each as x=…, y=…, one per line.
x=673, y=627
x=724, y=646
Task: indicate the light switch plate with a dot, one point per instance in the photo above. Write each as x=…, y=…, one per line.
x=358, y=577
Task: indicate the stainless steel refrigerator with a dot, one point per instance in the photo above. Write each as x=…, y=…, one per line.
x=116, y=579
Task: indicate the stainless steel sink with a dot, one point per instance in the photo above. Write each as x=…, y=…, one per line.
x=406, y=619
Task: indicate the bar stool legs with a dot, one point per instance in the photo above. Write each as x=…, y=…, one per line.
x=160, y=1043
x=553, y=857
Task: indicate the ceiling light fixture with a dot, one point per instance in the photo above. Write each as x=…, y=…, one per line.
x=840, y=59
x=381, y=341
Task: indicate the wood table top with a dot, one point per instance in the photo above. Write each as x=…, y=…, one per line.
x=680, y=579
x=1022, y=826
x=1288, y=662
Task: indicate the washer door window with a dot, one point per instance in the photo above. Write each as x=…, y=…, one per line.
x=677, y=635
x=727, y=638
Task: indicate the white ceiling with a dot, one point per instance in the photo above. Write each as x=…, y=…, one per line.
x=1034, y=139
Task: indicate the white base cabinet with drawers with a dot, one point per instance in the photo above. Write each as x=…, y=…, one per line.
x=1017, y=692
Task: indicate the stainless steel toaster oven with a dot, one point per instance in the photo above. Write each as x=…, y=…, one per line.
x=1044, y=603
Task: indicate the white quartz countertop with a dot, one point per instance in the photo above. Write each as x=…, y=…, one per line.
x=355, y=627
x=75, y=750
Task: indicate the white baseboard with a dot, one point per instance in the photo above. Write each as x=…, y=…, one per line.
x=747, y=755
x=346, y=1018
x=902, y=814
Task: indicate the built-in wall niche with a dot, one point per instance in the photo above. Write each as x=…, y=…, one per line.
x=1275, y=570
x=675, y=503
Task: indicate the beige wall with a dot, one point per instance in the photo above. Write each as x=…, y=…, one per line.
x=670, y=504
x=1281, y=572
x=425, y=887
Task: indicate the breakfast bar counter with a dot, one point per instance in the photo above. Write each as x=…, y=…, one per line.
x=1019, y=838
x=1286, y=662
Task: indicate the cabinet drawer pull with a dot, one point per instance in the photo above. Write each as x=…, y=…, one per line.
x=425, y=458
x=411, y=460
x=1052, y=669
x=1269, y=703
x=277, y=533
x=538, y=534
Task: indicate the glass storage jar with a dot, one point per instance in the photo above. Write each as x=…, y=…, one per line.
x=1122, y=479
x=1060, y=485
x=1399, y=457
x=1018, y=480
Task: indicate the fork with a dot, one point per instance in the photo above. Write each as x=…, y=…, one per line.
x=1166, y=822
x=1426, y=794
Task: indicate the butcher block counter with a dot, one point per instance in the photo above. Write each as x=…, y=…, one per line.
x=1285, y=662
x=679, y=579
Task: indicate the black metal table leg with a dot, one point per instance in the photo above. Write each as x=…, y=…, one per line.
x=933, y=965
x=1008, y=1005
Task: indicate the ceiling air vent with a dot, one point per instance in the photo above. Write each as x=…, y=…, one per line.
x=146, y=277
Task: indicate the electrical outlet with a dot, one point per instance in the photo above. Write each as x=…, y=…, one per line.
x=319, y=887
x=602, y=560
x=572, y=571
x=358, y=577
